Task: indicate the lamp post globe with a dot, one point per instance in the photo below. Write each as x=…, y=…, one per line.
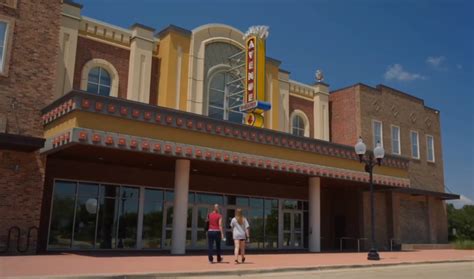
x=360, y=148
x=379, y=153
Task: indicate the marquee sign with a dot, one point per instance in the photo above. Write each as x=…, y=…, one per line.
x=254, y=94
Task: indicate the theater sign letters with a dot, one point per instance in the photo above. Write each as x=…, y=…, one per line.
x=254, y=97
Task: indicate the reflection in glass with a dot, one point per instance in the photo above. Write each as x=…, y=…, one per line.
x=107, y=223
x=271, y=223
x=152, y=218
x=286, y=221
x=62, y=215
x=209, y=199
x=84, y=230
x=128, y=219
x=256, y=227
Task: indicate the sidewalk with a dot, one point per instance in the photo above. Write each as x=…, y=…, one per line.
x=160, y=265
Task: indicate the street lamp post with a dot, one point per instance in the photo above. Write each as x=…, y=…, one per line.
x=370, y=163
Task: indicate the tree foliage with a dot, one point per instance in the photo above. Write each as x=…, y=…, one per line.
x=462, y=220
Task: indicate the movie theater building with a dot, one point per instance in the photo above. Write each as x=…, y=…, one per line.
x=147, y=132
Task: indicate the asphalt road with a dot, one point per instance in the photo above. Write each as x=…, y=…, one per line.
x=431, y=271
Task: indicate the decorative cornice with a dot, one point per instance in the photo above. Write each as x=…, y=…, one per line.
x=180, y=150
x=84, y=101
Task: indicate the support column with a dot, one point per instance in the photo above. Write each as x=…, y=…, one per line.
x=431, y=214
x=314, y=227
x=180, y=206
x=68, y=34
x=141, y=51
x=321, y=111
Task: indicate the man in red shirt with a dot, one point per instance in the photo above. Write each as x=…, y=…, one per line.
x=215, y=233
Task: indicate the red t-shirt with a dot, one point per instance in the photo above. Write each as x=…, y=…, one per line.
x=214, y=221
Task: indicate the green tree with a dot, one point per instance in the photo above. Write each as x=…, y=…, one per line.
x=462, y=220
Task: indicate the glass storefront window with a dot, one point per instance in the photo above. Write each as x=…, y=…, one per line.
x=107, y=223
x=256, y=220
x=242, y=201
x=86, y=216
x=271, y=223
x=152, y=218
x=62, y=216
x=209, y=199
x=290, y=204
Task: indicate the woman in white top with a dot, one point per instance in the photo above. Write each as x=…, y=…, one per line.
x=240, y=233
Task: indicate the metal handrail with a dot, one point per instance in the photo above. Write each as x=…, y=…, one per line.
x=18, y=240
x=28, y=238
x=9, y=238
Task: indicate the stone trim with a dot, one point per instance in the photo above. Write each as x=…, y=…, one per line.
x=84, y=101
x=180, y=150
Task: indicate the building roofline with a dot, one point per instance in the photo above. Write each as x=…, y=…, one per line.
x=173, y=27
x=72, y=3
x=284, y=71
x=273, y=60
x=139, y=25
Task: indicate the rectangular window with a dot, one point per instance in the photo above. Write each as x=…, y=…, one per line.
x=3, y=44
x=377, y=131
x=430, y=148
x=415, y=146
x=396, y=140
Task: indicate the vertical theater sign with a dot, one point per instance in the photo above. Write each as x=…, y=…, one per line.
x=254, y=95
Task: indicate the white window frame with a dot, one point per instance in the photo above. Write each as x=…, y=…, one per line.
x=417, y=144
x=373, y=132
x=305, y=118
x=428, y=149
x=7, y=44
x=97, y=62
x=391, y=139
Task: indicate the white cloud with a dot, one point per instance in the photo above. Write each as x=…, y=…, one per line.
x=435, y=61
x=396, y=72
x=463, y=200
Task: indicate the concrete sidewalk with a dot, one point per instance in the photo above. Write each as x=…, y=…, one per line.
x=76, y=265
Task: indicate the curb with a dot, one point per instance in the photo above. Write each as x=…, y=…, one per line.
x=241, y=272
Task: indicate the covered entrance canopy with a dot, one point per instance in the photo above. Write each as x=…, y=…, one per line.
x=104, y=141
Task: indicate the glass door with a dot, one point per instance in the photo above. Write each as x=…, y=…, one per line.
x=167, y=231
x=292, y=229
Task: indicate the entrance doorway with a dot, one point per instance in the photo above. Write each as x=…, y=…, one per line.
x=292, y=229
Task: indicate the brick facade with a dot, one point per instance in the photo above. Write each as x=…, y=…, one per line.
x=28, y=87
x=305, y=106
x=353, y=110
x=119, y=57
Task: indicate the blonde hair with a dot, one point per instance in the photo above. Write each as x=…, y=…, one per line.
x=239, y=216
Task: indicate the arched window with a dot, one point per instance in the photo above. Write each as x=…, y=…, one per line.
x=299, y=124
x=100, y=77
x=225, y=97
x=98, y=81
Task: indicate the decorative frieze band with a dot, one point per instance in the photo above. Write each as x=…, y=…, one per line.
x=78, y=100
x=174, y=149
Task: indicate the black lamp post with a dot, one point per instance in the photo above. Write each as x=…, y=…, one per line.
x=370, y=163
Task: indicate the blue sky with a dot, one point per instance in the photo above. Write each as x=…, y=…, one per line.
x=424, y=48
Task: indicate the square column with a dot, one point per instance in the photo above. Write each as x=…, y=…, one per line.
x=314, y=227
x=180, y=206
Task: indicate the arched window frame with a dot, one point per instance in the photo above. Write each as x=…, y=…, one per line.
x=305, y=118
x=217, y=69
x=96, y=62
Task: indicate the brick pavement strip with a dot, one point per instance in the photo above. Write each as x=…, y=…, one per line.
x=145, y=266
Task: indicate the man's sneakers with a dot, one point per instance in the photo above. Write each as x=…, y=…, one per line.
x=219, y=259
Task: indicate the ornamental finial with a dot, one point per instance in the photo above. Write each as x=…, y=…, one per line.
x=319, y=75
x=260, y=31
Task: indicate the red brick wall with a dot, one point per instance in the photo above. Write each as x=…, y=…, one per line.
x=307, y=107
x=30, y=86
x=154, y=81
x=88, y=49
x=344, y=116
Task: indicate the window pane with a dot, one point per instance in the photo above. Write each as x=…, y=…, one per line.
x=84, y=228
x=152, y=218
x=104, y=77
x=271, y=223
x=92, y=88
x=94, y=75
x=107, y=223
x=3, y=32
x=414, y=144
x=216, y=98
x=62, y=215
x=217, y=81
x=209, y=199
x=216, y=113
x=377, y=130
x=127, y=230
x=430, y=144
x=235, y=117
x=395, y=140
x=104, y=90
x=255, y=219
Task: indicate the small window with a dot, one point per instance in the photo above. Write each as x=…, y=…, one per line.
x=99, y=81
x=396, y=140
x=3, y=44
x=377, y=131
x=415, y=146
x=430, y=148
x=298, y=127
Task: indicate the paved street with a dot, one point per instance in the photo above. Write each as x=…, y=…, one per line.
x=431, y=271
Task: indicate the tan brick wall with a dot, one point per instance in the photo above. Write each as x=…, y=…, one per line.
x=305, y=106
x=88, y=49
x=28, y=87
x=394, y=108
